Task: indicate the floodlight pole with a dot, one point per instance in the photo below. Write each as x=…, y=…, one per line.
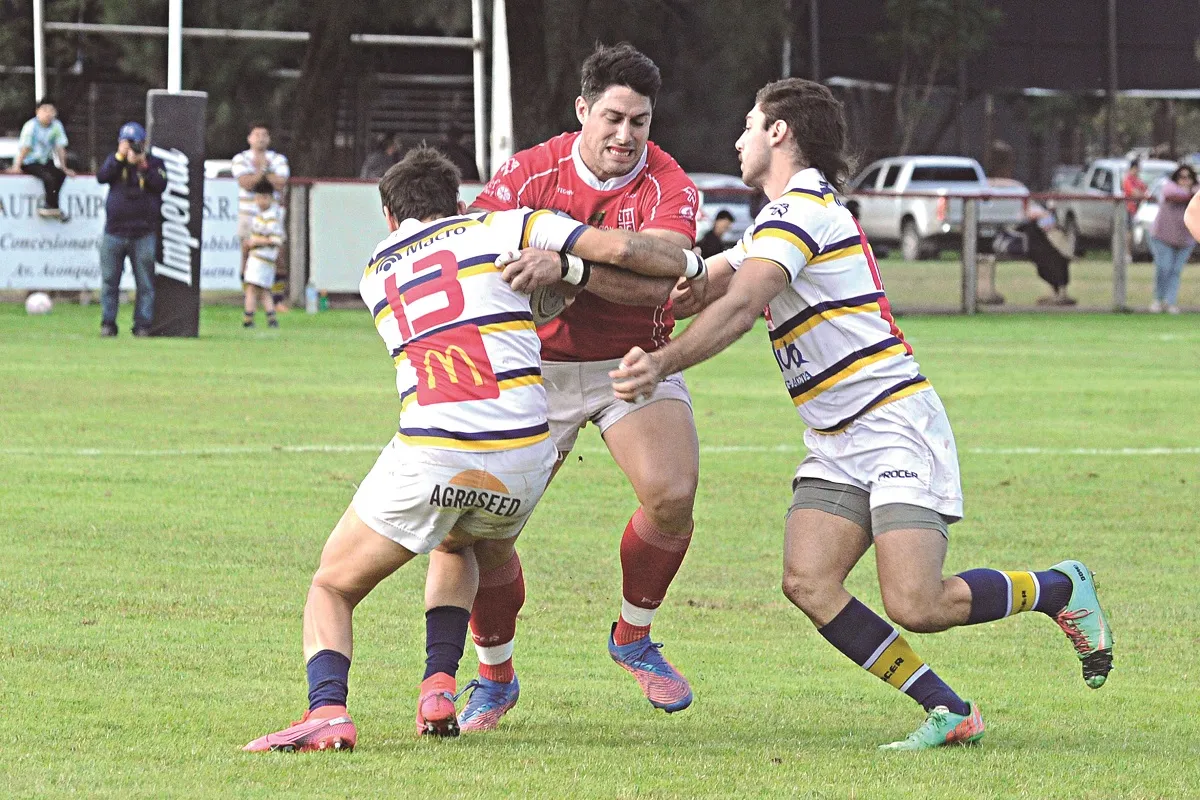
x=175, y=46
x=39, y=52
x=814, y=38
x=1110, y=120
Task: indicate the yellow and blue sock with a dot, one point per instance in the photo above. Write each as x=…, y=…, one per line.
x=869, y=641
x=996, y=595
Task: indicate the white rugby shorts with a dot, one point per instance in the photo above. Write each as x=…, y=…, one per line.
x=415, y=495
x=579, y=392
x=258, y=272
x=901, y=452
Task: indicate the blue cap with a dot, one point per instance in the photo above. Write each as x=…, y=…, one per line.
x=133, y=132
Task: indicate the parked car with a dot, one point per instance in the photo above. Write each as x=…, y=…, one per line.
x=1088, y=222
x=923, y=225
x=721, y=192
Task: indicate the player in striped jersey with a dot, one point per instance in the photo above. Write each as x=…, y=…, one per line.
x=263, y=243
x=881, y=465
x=473, y=453
x=250, y=167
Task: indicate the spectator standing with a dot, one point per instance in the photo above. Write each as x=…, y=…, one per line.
x=1134, y=189
x=713, y=242
x=1170, y=241
x=250, y=166
x=381, y=158
x=136, y=181
x=43, y=138
x=265, y=239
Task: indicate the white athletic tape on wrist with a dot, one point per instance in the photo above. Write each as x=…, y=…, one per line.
x=573, y=269
x=695, y=265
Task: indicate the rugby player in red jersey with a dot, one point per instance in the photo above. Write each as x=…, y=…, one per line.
x=608, y=175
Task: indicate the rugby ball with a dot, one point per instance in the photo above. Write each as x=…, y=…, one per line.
x=38, y=303
x=546, y=303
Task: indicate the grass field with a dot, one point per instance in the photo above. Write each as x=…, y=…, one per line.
x=163, y=504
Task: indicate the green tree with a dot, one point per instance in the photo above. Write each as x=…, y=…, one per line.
x=926, y=39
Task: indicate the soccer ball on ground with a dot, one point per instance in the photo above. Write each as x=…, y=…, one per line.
x=38, y=303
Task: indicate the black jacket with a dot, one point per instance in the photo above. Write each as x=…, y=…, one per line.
x=134, y=196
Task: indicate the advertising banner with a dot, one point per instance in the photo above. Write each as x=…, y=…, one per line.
x=46, y=254
x=175, y=124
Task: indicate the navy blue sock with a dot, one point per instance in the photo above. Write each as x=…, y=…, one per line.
x=445, y=638
x=328, y=679
x=1056, y=591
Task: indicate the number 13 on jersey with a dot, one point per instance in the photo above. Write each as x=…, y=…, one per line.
x=452, y=364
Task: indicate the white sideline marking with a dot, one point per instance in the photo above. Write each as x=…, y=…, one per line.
x=235, y=450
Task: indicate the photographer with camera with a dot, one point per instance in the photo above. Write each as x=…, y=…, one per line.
x=136, y=182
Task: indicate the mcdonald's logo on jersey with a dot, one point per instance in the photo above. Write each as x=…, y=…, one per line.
x=453, y=366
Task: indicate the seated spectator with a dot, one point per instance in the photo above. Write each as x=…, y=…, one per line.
x=42, y=139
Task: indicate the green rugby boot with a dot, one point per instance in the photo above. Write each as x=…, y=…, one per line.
x=941, y=728
x=1084, y=624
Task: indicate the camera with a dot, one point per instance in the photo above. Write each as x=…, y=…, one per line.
x=137, y=147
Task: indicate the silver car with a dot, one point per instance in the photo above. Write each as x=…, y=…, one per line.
x=721, y=192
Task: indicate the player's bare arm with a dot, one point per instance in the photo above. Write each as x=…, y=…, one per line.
x=621, y=286
x=1191, y=216
x=652, y=256
x=717, y=327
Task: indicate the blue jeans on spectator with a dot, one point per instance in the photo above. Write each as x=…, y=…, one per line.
x=1168, y=269
x=140, y=251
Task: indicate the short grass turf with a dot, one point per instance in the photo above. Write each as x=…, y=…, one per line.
x=163, y=504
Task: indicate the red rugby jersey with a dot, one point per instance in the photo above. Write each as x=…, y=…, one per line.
x=655, y=194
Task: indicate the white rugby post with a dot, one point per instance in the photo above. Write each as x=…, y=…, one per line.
x=39, y=52
x=502, y=135
x=174, y=46
x=478, y=69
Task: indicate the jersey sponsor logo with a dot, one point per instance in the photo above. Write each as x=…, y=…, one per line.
x=892, y=669
x=626, y=219
x=456, y=497
x=790, y=356
x=687, y=212
x=567, y=192
x=509, y=167
x=692, y=199
x=453, y=367
x=898, y=473
x=504, y=194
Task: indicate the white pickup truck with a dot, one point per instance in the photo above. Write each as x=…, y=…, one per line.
x=923, y=224
x=1087, y=218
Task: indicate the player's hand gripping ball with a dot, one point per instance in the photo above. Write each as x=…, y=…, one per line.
x=545, y=303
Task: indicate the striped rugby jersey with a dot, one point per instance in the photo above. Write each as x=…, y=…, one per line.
x=268, y=223
x=467, y=355
x=243, y=164
x=831, y=330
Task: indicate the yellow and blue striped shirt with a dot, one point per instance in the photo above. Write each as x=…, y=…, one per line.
x=467, y=355
x=831, y=330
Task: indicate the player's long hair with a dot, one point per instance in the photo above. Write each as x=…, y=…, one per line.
x=817, y=122
x=619, y=65
x=424, y=184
